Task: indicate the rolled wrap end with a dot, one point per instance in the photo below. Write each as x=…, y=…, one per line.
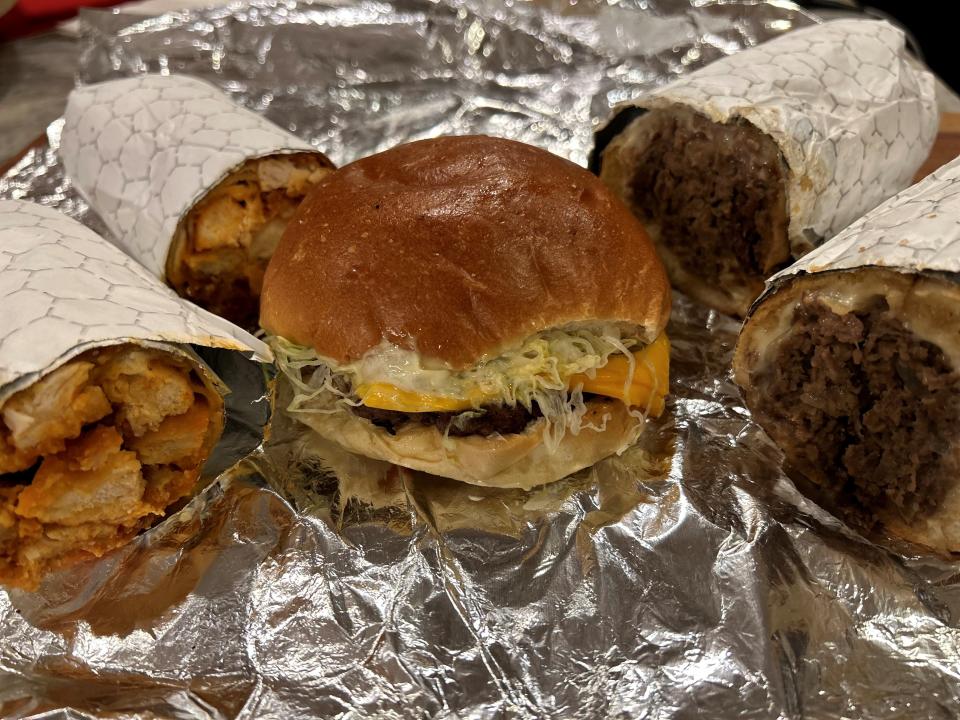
x=854, y=374
x=95, y=451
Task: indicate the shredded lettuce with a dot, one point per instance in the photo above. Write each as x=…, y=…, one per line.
x=312, y=379
x=535, y=372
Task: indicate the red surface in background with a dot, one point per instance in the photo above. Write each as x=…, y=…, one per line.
x=31, y=16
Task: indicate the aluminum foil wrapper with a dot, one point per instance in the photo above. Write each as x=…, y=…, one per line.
x=684, y=578
x=852, y=114
x=142, y=151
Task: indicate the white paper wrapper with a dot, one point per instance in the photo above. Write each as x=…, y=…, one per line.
x=853, y=116
x=915, y=231
x=64, y=290
x=142, y=151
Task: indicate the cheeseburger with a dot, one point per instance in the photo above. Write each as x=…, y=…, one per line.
x=470, y=307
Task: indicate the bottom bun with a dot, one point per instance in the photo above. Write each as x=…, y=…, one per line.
x=508, y=461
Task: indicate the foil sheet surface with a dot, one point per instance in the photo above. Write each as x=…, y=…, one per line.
x=684, y=578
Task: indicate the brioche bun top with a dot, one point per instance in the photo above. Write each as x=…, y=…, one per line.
x=459, y=248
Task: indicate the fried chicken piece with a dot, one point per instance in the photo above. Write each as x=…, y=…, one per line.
x=30, y=549
x=54, y=409
x=9, y=537
x=284, y=173
x=93, y=480
x=43, y=548
x=12, y=458
x=228, y=218
x=120, y=434
x=8, y=521
x=234, y=214
x=221, y=249
x=167, y=484
x=145, y=389
x=178, y=440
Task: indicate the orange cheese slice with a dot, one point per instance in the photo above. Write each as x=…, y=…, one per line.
x=648, y=386
x=385, y=396
x=646, y=389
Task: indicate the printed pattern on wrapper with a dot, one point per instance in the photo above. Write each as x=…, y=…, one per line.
x=142, y=151
x=852, y=115
x=917, y=230
x=64, y=289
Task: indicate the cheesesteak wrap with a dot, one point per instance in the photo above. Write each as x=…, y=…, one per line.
x=190, y=184
x=851, y=362
x=470, y=307
x=754, y=160
x=106, y=414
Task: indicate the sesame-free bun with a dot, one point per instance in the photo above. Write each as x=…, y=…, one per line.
x=459, y=248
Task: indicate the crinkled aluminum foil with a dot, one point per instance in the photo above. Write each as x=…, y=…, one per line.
x=685, y=578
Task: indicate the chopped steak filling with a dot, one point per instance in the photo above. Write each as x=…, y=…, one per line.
x=487, y=420
x=718, y=193
x=228, y=237
x=866, y=409
x=95, y=450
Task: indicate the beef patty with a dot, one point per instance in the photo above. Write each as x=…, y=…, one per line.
x=718, y=193
x=491, y=419
x=864, y=408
